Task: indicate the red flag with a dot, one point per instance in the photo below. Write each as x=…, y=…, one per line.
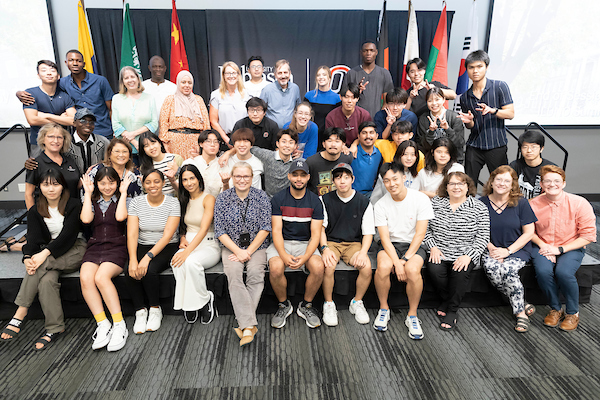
x=411, y=49
x=178, y=57
x=437, y=65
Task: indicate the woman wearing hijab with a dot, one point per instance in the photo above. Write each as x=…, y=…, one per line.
x=182, y=117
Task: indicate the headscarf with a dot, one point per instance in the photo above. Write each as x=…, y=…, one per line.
x=186, y=106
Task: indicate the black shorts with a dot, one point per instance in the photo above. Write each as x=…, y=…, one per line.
x=402, y=248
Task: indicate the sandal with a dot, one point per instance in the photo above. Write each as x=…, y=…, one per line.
x=522, y=324
x=450, y=319
x=441, y=309
x=5, y=248
x=45, y=342
x=17, y=323
x=248, y=336
x=190, y=320
x=529, y=309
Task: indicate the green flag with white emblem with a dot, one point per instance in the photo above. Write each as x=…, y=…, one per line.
x=129, y=53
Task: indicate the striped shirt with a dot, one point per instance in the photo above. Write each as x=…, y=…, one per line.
x=460, y=232
x=152, y=220
x=488, y=131
x=163, y=166
x=297, y=214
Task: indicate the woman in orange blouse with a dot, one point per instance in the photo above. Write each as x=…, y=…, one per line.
x=566, y=224
x=182, y=117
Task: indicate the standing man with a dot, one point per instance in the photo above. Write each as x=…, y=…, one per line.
x=157, y=85
x=368, y=160
x=297, y=221
x=485, y=106
x=255, y=85
x=401, y=216
x=348, y=230
x=372, y=80
x=87, y=91
x=264, y=129
x=348, y=116
x=51, y=103
x=321, y=164
x=281, y=96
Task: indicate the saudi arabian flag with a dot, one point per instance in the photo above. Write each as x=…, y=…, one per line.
x=129, y=53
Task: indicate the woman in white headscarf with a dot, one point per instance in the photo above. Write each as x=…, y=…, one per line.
x=182, y=117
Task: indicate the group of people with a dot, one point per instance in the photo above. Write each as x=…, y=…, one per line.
x=264, y=179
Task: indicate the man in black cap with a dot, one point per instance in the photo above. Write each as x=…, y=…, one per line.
x=87, y=148
x=348, y=230
x=297, y=219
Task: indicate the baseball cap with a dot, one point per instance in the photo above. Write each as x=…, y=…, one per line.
x=342, y=167
x=84, y=112
x=299, y=165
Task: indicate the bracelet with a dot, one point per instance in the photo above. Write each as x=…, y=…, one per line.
x=509, y=252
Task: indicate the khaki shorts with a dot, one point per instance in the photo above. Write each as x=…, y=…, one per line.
x=295, y=248
x=345, y=250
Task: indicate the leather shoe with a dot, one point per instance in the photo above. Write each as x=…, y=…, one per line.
x=553, y=318
x=570, y=322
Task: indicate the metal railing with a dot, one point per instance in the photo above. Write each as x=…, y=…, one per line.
x=535, y=125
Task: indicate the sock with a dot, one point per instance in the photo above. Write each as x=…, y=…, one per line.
x=118, y=317
x=100, y=317
x=353, y=301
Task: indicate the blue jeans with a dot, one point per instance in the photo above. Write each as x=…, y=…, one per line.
x=553, y=277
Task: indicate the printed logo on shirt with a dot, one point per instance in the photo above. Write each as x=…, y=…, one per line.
x=326, y=184
x=266, y=134
x=71, y=169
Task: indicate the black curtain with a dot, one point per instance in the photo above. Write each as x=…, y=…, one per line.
x=214, y=36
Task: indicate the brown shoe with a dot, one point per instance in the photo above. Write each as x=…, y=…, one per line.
x=570, y=322
x=553, y=318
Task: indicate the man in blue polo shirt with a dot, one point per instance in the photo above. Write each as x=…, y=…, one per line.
x=51, y=103
x=485, y=106
x=87, y=91
x=368, y=159
x=281, y=96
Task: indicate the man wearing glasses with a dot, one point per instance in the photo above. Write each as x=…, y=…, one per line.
x=264, y=129
x=281, y=96
x=255, y=85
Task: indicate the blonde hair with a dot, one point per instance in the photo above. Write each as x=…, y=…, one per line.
x=242, y=164
x=240, y=79
x=122, y=88
x=281, y=62
x=44, y=130
x=326, y=69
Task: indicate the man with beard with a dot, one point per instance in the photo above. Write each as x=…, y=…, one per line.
x=297, y=220
x=368, y=159
x=321, y=164
x=281, y=96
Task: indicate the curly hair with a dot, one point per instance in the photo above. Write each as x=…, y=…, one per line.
x=443, y=188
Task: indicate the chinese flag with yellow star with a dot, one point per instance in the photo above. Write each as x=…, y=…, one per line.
x=178, y=57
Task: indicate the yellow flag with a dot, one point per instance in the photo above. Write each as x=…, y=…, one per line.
x=84, y=42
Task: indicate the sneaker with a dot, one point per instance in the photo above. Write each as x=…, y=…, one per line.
x=330, y=317
x=208, y=312
x=414, y=327
x=306, y=311
x=383, y=317
x=119, y=337
x=154, y=319
x=357, y=308
x=284, y=311
x=141, y=319
x=102, y=334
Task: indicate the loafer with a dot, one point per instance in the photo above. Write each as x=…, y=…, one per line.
x=570, y=322
x=553, y=318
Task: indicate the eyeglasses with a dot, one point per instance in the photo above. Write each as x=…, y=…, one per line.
x=256, y=110
x=53, y=138
x=504, y=181
x=210, y=141
x=240, y=177
x=230, y=73
x=303, y=114
x=456, y=184
x=556, y=182
x=86, y=122
x=533, y=147
x=119, y=152
x=256, y=67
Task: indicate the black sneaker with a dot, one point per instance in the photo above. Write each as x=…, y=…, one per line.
x=208, y=312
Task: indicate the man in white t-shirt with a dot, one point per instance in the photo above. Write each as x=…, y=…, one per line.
x=157, y=85
x=255, y=85
x=401, y=217
x=243, y=140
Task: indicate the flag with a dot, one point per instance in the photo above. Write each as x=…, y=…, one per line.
x=411, y=50
x=437, y=65
x=129, y=53
x=84, y=42
x=178, y=57
x=383, y=48
x=470, y=44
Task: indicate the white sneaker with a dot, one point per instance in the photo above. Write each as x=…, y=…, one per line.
x=330, y=317
x=154, y=319
x=383, y=317
x=360, y=312
x=102, y=334
x=119, y=336
x=414, y=327
x=141, y=319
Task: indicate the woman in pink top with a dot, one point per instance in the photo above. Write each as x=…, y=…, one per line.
x=566, y=224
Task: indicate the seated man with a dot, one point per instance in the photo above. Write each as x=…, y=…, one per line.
x=264, y=129
x=216, y=179
x=348, y=116
x=50, y=103
x=399, y=132
x=368, y=159
x=394, y=110
x=531, y=143
x=401, y=217
x=348, y=230
x=321, y=164
x=297, y=221
x=242, y=140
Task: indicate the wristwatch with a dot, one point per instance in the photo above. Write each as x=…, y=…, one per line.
x=322, y=248
x=149, y=254
x=404, y=258
x=561, y=250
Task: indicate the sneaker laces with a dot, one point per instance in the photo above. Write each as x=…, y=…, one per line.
x=281, y=310
x=414, y=322
x=309, y=311
x=382, y=315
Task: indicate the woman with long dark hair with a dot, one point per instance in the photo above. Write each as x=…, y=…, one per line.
x=439, y=162
x=198, y=247
x=154, y=156
x=53, y=247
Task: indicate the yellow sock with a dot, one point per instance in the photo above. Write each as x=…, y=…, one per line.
x=100, y=317
x=118, y=317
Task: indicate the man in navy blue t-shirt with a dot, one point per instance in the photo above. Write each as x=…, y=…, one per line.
x=297, y=219
x=51, y=104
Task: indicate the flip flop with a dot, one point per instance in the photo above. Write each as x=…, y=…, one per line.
x=17, y=323
x=45, y=342
x=529, y=310
x=523, y=323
